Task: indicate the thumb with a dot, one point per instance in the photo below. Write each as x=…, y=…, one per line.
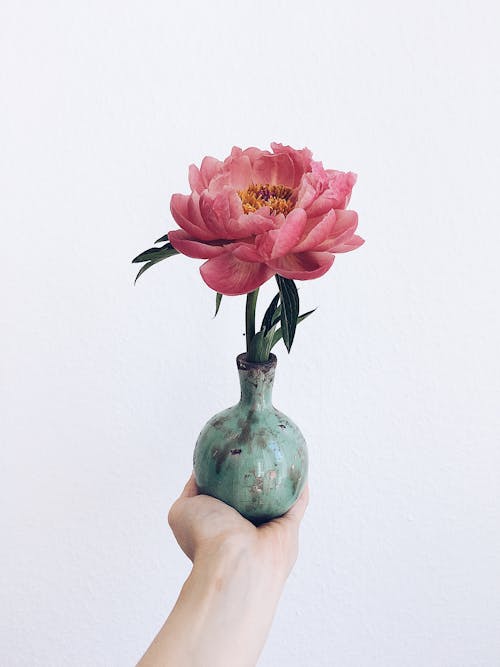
x=190, y=488
x=297, y=510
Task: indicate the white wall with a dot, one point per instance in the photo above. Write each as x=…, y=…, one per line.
x=394, y=381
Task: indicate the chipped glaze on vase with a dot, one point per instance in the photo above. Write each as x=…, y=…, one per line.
x=252, y=456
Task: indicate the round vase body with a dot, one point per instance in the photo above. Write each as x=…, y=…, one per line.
x=252, y=456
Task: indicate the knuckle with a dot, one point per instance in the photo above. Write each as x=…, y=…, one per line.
x=172, y=514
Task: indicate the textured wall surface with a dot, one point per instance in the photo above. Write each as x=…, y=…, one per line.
x=394, y=380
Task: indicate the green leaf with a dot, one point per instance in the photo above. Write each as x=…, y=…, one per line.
x=289, y=298
x=279, y=334
x=153, y=256
x=276, y=316
x=260, y=347
x=156, y=254
x=163, y=238
x=142, y=269
x=267, y=322
x=256, y=351
x=218, y=299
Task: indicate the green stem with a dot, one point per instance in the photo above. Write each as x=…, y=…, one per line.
x=250, y=317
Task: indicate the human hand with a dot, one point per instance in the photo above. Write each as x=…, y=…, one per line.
x=239, y=571
x=203, y=525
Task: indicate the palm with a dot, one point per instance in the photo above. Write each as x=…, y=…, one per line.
x=202, y=522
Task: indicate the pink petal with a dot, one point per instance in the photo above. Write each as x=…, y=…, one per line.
x=236, y=171
x=301, y=160
x=235, y=205
x=274, y=170
x=194, y=213
x=346, y=223
x=317, y=232
x=307, y=191
x=259, y=222
x=254, y=153
x=322, y=204
x=345, y=220
x=323, y=189
x=193, y=248
x=199, y=179
x=303, y=265
x=279, y=242
x=216, y=213
x=229, y=275
x=351, y=244
x=236, y=151
x=194, y=178
x=210, y=167
x=264, y=243
x=223, y=216
x=183, y=216
x=239, y=172
x=340, y=185
x=246, y=251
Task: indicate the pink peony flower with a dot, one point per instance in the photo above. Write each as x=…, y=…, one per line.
x=260, y=213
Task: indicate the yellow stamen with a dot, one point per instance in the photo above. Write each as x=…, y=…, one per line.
x=279, y=198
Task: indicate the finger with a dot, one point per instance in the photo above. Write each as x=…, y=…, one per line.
x=178, y=508
x=190, y=489
x=297, y=511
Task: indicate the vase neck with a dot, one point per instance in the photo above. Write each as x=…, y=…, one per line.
x=256, y=382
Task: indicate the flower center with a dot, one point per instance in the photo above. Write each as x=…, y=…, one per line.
x=279, y=198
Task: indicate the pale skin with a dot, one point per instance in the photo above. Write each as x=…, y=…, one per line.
x=226, y=606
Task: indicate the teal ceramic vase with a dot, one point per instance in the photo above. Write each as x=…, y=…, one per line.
x=252, y=456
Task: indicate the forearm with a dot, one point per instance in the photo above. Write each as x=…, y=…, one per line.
x=222, y=616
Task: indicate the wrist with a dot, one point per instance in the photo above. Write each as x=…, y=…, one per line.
x=235, y=596
x=224, y=611
x=237, y=555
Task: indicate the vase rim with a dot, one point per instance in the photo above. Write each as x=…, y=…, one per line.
x=265, y=366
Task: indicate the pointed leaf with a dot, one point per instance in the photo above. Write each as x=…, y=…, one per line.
x=165, y=251
x=260, y=347
x=255, y=352
x=267, y=322
x=289, y=298
x=279, y=334
x=218, y=299
x=163, y=238
x=153, y=256
x=143, y=268
x=276, y=316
